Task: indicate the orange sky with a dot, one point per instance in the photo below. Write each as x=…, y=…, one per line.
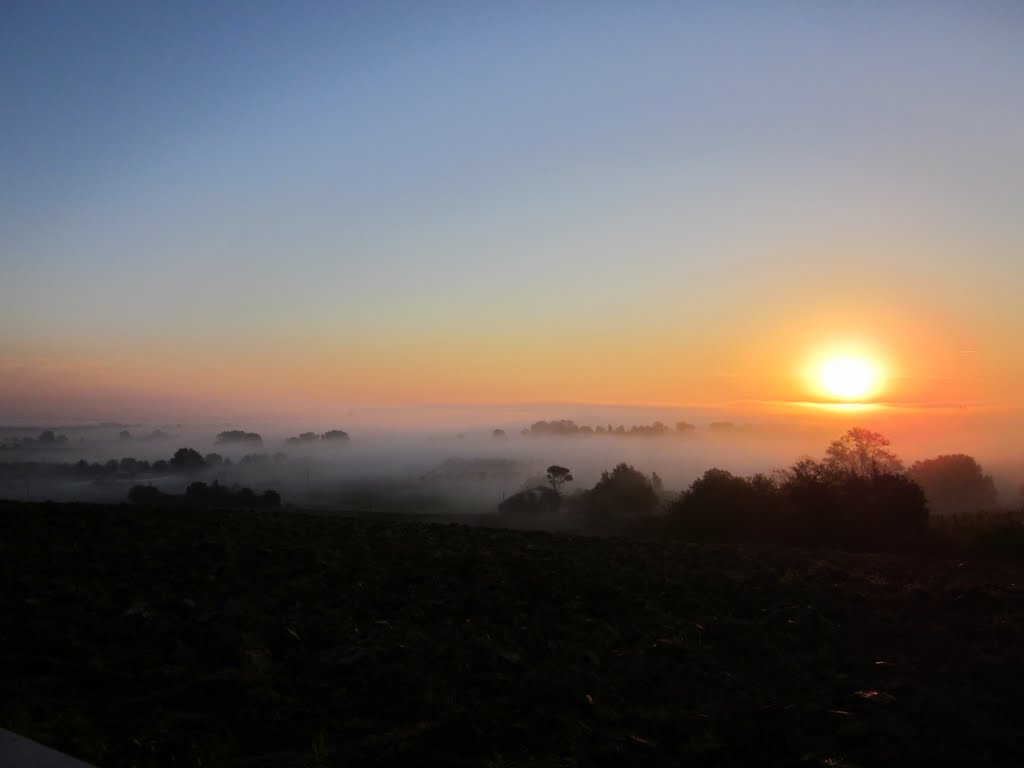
x=376, y=218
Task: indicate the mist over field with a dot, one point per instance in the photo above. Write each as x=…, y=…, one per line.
x=466, y=460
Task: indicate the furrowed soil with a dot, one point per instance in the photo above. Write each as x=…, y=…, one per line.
x=136, y=637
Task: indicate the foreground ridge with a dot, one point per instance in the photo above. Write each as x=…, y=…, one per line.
x=159, y=637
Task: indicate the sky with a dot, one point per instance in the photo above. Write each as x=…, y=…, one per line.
x=227, y=209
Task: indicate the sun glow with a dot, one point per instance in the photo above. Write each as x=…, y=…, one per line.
x=848, y=378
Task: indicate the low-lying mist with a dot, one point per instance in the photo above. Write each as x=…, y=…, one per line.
x=439, y=470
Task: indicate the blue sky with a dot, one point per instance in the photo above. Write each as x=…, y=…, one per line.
x=249, y=179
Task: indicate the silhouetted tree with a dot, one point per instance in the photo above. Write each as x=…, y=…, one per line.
x=336, y=435
x=305, y=437
x=239, y=436
x=657, y=428
x=895, y=509
x=569, y=427
x=863, y=453
x=124, y=434
x=831, y=504
x=200, y=494
x=954, y=483
x=46, y=439
x=187, y=460
x=810, y=490
x=558, y=476
x=499, y=434
x=620, y=495
x=721, y=506
x=685, y=426
x=560, y=427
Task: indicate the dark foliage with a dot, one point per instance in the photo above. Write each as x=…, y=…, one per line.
x=862, y=452
x=558, y=476
x=531, y=505
x=560, y=427
x=720, y=506
x=216, y=495
x=49, y=437
x=828, y=507
x=955, y=483
x=568, y=427
x=856, y=498
x=304, y=439
x=187, y=460
x=130, y=467
x=308, y=438
x=199, y=494
x=239, y=436
x=654, y=429
x=810, y=504
x=622, y=496
x=46, y=440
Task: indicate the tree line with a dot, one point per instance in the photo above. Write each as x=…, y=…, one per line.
x=858, y=496
x=200, y=494
x=568, y=427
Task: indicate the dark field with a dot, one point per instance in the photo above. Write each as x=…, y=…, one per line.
x=135, y=637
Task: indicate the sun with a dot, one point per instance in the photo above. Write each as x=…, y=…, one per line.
x=848, y=378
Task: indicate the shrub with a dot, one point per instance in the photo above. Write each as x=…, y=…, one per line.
x=622, y=495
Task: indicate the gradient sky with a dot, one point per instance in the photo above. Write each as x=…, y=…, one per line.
x=239, y=207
